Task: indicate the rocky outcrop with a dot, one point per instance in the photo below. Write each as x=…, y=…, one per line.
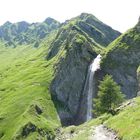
x=122, y=61
x=100, y=32
x=29, y=129
x=69, y=81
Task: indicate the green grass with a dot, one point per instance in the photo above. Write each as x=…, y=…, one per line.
x=25, y=76
x=126, y=123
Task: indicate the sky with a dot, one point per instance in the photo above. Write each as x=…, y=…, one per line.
x=119, y=14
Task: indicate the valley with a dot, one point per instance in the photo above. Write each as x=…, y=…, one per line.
x=47, y=86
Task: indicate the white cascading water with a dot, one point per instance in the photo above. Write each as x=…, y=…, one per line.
x=94, y=66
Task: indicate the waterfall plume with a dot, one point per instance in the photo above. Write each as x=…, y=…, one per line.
x=94, y=66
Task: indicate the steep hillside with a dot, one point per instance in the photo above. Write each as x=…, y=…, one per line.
x=26, y=108
x=41, y=86
x=126, y=122
x=14, y=34
x=77, y=42
x=122, y=60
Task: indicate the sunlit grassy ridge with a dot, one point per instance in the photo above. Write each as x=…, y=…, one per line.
x=127, y=122
x=25, y=99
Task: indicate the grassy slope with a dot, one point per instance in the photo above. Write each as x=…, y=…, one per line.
x=126, y=123
x=25, y=76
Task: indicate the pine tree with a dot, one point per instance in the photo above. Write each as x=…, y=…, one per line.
x=109, y=96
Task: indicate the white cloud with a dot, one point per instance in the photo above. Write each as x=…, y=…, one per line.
x=120, y=14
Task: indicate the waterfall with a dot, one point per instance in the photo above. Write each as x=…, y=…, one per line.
x=94, y=66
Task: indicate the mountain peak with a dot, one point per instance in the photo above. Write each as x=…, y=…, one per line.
x=87, y=15
x=23, y=23
x=7, y=23
x=50, y=20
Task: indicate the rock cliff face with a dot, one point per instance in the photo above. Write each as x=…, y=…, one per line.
x=100, y=32
x=122, y=61
x=76, y=44
x=68, y=83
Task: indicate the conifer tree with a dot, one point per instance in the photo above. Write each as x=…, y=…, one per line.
x=109, y=96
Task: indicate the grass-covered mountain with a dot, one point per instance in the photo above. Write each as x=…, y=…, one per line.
x=42, y=77
x=26, y=108
x=14, y=34
x=77, y=44
x=30, y=77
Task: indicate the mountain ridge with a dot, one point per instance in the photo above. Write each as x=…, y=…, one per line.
x=24, y=33
x=41, y=86
x=77, y=46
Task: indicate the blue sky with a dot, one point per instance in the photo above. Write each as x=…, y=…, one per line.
x=119, y=14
